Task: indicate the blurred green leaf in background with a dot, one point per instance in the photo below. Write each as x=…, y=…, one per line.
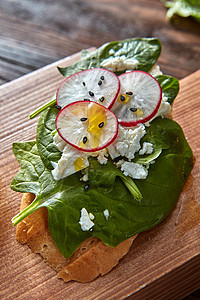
x=183, y=8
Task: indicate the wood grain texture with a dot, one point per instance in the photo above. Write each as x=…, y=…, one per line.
x=36, y=33
x=163, y=263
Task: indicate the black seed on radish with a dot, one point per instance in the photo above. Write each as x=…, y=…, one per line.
x=85, y=136
x=102, y=99
x=86, y=187
x=101, y=124
x=58, y=107
x=129, y=93
x=91, y=93
x=102, y=78
x=85, y=140
x=87, y=81
x=83, y=119
x=122, y=98
x=133, y=109
x=86, y=99
x=147, y=98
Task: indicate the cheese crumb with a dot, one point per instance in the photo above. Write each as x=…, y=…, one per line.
x=120, y=63
x=155, y=70
x=147, y=148
x=111, y=52
x=164, y=108
x=65, y=165
x=127, y=142
x=134, y=170
x=86, y=220
x=106, y=214
x=59, y=142
x=84, y=172
x=101, y=156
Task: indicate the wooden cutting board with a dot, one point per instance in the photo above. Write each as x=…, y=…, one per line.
x=163, y=263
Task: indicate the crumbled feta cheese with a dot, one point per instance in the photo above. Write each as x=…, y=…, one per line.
x=54, y=164
x=101, y=156
x=85, y=176
x=113, y=151
x=155, y=70
x=65, y=165
x=59, y=142
x=86, y=220
x=119, y=163
x=106, y=214
x=122, y=148
x=119, y=63
x=147, y=148
x=127, y=142
x=102, y=159
x=164, y=108
x=111, y=51
x=118, y=60
x=125, y=48
x=134, y=170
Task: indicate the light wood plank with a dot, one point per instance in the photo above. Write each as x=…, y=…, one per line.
x=167, y=255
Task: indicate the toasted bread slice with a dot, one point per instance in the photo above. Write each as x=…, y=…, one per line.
x=91, y=259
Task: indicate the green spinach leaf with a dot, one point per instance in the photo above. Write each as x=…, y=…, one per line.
x=64, y=199
x=145, y=50
x=106, y=175
x=33, y=176
x=183, y=8
x=169, y=86
x=46, y=125
x=148, y=158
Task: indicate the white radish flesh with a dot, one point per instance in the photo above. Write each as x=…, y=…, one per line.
x=138, y=100
x=97, y=84
x=87, y=126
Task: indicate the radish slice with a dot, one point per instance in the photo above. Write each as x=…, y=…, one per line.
x=139, y=98
x=97, y=84
x=87, y=126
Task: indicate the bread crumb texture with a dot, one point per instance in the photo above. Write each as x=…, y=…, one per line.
x=91, y=259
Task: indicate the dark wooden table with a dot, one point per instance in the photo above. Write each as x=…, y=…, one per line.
x=36, y=33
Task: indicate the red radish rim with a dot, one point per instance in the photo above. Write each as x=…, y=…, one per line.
x=149, y=117
x=94, y=149
x=113, y=101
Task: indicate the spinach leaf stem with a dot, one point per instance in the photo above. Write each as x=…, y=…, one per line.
x=43, y=107
x=132, y=187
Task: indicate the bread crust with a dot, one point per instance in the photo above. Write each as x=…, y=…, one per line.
x=91, y=259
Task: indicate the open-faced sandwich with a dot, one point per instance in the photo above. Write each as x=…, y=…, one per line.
x=108, y=162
